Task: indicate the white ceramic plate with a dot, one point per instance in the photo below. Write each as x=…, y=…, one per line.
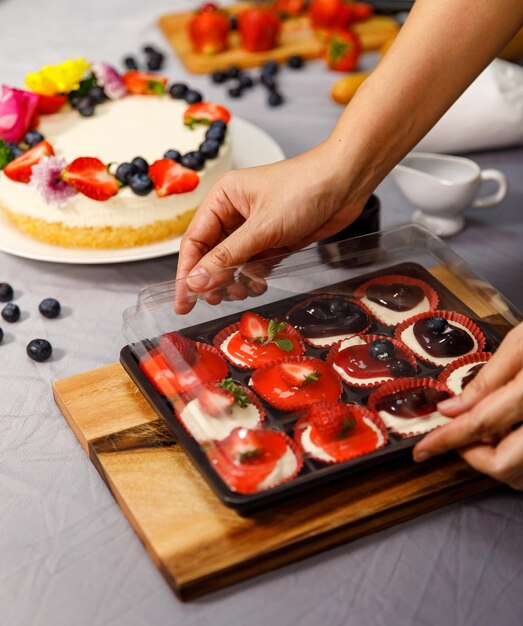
x=250, y=146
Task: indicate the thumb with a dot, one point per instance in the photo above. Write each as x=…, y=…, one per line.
x=219, y=263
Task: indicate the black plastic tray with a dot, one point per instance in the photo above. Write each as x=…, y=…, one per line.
x=314, y=474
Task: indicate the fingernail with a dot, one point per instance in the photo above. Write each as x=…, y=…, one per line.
x=198, y=278
x=419, y=457
x=451, y=404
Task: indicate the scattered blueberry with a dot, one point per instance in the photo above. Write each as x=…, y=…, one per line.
x=270, y=68
x=39, y=350
x=178, y=90
x=275, y=99
x=85, y=106
x=155, y=61
x=50, y=308
x=193, y=160
x=174, y=155
x=6, y=292
x=236, y=91
x=15, y=149
x=219, y=124
x=436, y=324
x=33, y=137
x=210, y=148
x=219, y=77
x=192, y=96
x=295, y=62
x=140, y=164
x=246, y=81
x=233, y=71
x=233, y=22
x=130, y=63
x=11, y=313
x=216, y=133
x=141, y=183
x=382, y=350
x=1, y=335
x=268, y=80
x=125, y=171
x=401, y=367
x=148, y=49
x=97, y=95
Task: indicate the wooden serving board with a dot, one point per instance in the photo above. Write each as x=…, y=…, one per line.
x=199, y=544
x=297, y=37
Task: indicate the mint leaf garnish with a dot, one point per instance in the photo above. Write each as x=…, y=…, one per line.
x=273, y=330
x=241, y=398
x=5, y=155
x=249, y=454
x=84, y=87
x=284, y=344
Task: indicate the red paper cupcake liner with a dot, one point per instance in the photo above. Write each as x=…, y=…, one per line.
x=393, y=386
x=303, y=422
x=451, y=316
x=229, y=330
x=468, y=359
x=409, y=355
x=324, y=297
x=295, y=450
x=253, y=399
x=290, y=405
x=390, y=279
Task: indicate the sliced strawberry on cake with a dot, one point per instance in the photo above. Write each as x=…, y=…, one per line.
x=144, y=83
x=205, y=113
x=249, y=461
x=296, y=383
x=218, y=408
x=180, y=364
x=256, y=341
x=20, y=169
x=90, y=176
x=332, y=432
x=170, y=177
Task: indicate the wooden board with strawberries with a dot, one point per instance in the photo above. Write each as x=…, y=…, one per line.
x=297, y=38
x=198, y=543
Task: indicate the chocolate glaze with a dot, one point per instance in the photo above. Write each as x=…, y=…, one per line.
x=325, y=317
x=415, y=402
x=471, y=374
x=396, y=297
x=453, y=341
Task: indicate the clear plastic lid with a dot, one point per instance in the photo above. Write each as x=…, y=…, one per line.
x=290, y=368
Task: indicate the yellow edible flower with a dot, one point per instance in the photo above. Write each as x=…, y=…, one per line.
x=62, y=78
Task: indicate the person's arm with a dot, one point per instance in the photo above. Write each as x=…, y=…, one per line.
x=442, y=47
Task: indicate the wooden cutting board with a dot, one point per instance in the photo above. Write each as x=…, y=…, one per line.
x=297, y=37
x=200, y=545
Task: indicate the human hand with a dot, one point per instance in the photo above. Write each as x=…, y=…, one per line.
x=485, y=416
x=266, y=210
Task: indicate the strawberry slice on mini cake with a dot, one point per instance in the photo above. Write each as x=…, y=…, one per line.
x=256, y=341
x=332, y=432
x=218, y=409
x=296, y=383
x=178, y=364
x=249, y=461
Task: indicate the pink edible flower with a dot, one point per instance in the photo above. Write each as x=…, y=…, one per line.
x=17, y=108
x=108, y=78
x=46, y=178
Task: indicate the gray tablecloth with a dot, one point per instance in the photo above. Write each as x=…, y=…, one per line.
x=67, y=554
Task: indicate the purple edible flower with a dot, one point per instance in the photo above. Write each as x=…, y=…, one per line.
x=46, y=178
x=108, y=78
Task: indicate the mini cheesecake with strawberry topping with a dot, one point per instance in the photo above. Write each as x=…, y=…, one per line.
x=370, y=360
x=256, y=341
x=326, y=319
x=218, y=409
x=249, y=461
x=332, y=432
x=179, y=364
x=296, y=383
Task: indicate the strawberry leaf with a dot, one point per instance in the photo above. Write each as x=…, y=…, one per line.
x=284, y=344
x=249, y=454
x=348, y=426
x=5, y=155
x=156, y=86
x=337, y=49
x=312, y=377
x=241, y=398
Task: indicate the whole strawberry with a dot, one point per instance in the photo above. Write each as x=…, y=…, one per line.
x=259, y=29
x=332, y=420
x=209, y=30
x=343, y=51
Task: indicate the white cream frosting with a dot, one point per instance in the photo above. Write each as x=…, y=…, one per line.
x=413, y=425
x=409, y=339
x=391, y=318
x=351, y=380
x=319, y=453
x=204, y=427
x=329, y=341
x=119, y=130
x=285, y=466
x=455, y=379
